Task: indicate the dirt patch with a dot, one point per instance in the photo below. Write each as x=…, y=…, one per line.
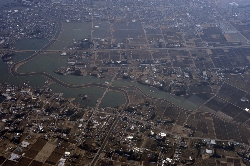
x=45, y=152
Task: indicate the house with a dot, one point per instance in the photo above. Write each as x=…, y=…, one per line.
x=204, y=74
x=248, y=110
x=244, y=100
x=64, y=54
x=208, y=151
x=25, y=144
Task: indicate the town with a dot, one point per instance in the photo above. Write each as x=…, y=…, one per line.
x=40, y=127
x=132, y=82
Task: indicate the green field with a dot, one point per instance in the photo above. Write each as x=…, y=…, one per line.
x=71, y=32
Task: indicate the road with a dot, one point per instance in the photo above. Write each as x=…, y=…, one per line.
x=13, y=70
x=126, y=49
x=13, y=67
x=108, y=134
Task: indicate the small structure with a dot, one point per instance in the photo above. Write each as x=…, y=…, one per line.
x=163, y=134
x=63, y=54
x=212, y=142
x=204, y=74
x=25, y=144
x=248, y=110
x=244, y=100
x=14, y=157
x=208, y=151
x=62, y=162
x=67, y=153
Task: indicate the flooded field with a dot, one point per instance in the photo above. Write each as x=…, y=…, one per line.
x=49, y=62
x=93, y=94
x=30, y=44
x=156, y=93
x=112, y=99
x=71, y=32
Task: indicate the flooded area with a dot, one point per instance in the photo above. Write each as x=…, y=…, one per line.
x=71, y=32
x=112, y=99
x=93, y=94
x=156, y=93
x=30, y=44
x=49, y=62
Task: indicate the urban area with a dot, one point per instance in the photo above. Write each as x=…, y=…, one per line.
x=124, y=82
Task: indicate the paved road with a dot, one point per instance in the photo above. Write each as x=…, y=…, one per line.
x=151, y=49
x=13, y=71
x=108, y=134
x=14, y=67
